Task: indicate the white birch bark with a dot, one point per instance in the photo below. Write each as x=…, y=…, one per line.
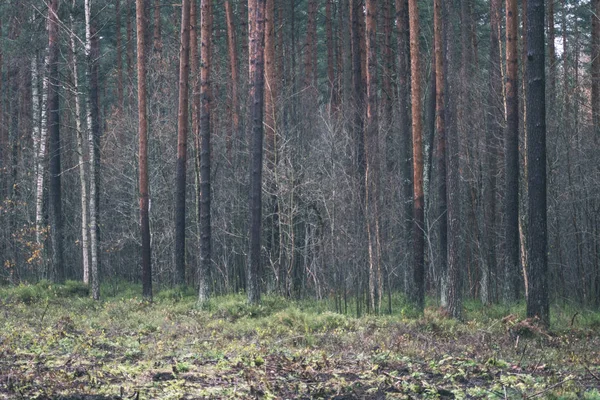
x=40, y=146
x=85, y=245
x=93, y=154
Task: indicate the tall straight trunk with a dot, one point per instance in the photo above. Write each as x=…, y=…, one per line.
x=552, y=49
x=40, y=150
x=271, y=132
x=440, y=144
x=143, y=151
x=205, y=156
x=595, y=4
x=2, y=132
x=130, y=42
x=256, y=44
x=330, y=55
x=119, y=55
x=85, y=243
x=93, y=119
x=418, y=294
x=356, y=14
x=537, y=255
x=270, y=84
x=233, y=65
x=388, y=61
x=404, y=124
x=511, y=154
x=372, y=158
x=157, y=42
x=493, y=132
x=196, y=101
x=182, y=134
x=453, y=289
x=310, y=72
x=54, y=170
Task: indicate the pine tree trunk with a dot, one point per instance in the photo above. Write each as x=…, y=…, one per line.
x=119, y=54
x=182, y=134
x=143, y=152
x=494, y=131
x=418, y=294
x=453, y=289
x=330, y=58
x=372, y=160
x=256, y=42
x=157, y=23
x=205, y=156
x=511, y=153
x=595, y=4
x=233, y=65
x=310, y=73
x=537, y=255
x=440, y=146
x=404, y=123
x=54, y=169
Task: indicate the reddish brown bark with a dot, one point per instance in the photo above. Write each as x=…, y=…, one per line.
x=205, y=156
x=233, y=65
x=418, y=294
x=595, y=4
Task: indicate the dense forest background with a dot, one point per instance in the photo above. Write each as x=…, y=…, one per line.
x=359, y=100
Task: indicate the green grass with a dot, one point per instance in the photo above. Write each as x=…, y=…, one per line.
x=55, y=341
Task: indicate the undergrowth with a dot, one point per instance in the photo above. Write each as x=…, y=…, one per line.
x=55, y=341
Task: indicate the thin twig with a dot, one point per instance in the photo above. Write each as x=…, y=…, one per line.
x=549, y=388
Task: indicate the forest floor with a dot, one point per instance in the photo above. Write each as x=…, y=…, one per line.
x=57, y=344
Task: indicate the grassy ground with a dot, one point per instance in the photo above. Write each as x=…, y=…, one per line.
x=55, y=343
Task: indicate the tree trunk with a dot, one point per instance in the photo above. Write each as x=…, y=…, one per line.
x=552, y=50
x=233, y=65
x=330, y=58
x=54, y=169
x=205, y=156
x=85, y=244
x=537, y=256
x=453, y=289
x=494, y=131
x=93, y=120
x=256, y=43
x=372, y=159
x=595, y=4
x=388, y=62
x=143, y=152
x=182, y=134
x=511, y=154
x=310, y=71
x=404, y=123
x=440, y=145
x=40, y=150
x=418, y=294
x=157, y=23
x=119, y=55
